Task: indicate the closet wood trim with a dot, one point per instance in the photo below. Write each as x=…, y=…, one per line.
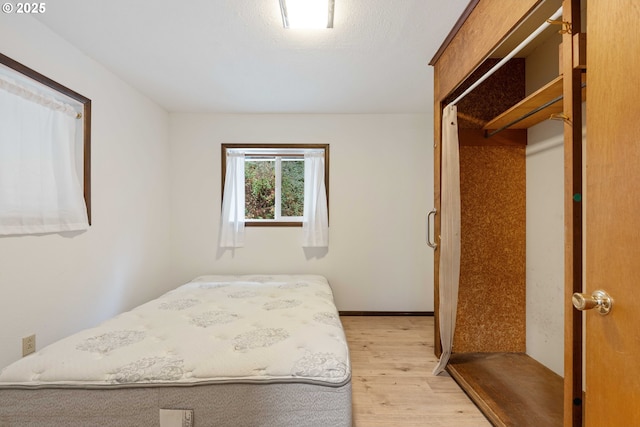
x=573, y=214
x=437, y=153
x=486, y=26
x=472, y=4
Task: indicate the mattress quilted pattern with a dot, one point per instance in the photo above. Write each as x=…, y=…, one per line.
x=212, y=329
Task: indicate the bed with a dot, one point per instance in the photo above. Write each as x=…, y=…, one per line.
x=217, y=351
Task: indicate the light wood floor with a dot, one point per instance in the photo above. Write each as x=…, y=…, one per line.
x=392, y=359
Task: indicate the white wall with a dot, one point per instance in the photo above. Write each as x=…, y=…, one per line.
x=149, y=166
x=545, y=245
x=381, y=187
x=545, y=222
x=53, y=285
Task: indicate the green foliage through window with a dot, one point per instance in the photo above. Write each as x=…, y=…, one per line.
x=292, y=188
x=274, y=181
x=262, y=191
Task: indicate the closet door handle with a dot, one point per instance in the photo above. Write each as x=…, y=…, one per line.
x=598, y=300
x=430, y=243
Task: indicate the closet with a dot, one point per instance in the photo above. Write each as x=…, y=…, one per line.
x=490, y=359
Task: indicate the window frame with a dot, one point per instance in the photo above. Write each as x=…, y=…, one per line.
x=249, y=146
x=86, y=118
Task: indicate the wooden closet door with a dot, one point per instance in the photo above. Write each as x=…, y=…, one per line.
x=613, y=212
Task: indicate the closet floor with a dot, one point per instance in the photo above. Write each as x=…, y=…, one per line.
x=511, y=389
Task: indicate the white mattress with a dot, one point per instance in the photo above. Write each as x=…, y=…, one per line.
x=214, y=329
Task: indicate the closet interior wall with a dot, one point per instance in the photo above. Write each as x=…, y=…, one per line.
x=489, y=22
x=492, y=289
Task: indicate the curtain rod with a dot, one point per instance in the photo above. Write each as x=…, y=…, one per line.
x=511, y=54
x=270, y=152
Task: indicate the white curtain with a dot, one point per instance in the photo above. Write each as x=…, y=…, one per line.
x=315, y=224
x=232, y=220
x=40, y=191
x=449, y=234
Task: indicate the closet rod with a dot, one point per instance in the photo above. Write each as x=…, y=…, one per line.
x=529, y=114
x=511, y=54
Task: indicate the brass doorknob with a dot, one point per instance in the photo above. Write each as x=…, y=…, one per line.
x=598, y=300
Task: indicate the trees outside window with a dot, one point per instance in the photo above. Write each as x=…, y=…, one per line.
x=274, y=181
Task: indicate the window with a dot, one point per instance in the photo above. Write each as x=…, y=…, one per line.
x=45, y=145
x=274, y=187
x=265, y=185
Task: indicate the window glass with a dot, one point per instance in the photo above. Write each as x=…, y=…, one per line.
x=274, y=181
x=260, y=188
x=292, y=199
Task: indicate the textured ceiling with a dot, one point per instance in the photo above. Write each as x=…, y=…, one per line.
x=234, y=55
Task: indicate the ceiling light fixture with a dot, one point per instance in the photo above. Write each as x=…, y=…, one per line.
x=307, y=14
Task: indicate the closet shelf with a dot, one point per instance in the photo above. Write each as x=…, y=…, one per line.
x=542, y=96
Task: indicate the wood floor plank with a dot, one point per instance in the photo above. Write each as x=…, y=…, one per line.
x=392, y=358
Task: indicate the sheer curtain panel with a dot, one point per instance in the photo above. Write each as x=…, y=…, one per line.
x=232, y=218
x=315, y=225
x=40, y=191
x=449, y=233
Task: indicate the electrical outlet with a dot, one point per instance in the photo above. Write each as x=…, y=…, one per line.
x=28, y=345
